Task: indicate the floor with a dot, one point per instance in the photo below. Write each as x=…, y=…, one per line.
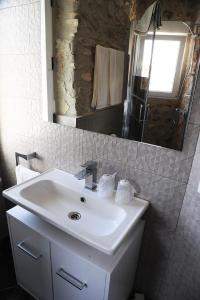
x=8, y=286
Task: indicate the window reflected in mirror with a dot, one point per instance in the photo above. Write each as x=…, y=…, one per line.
x=163, y=84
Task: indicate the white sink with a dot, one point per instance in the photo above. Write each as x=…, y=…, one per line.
x=56, y=195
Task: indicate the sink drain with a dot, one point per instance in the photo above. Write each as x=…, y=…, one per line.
x=74, y=215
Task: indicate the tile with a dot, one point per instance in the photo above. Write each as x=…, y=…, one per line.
x=182, y=168
x=24, y=79
x=182, y=273
x=195, y=112
x=142, y=181
x=165, y=196
x=146, y=157
x=153, y=261
x=195, y=171
x=176, y=165
x=166, y=201
x=190, y=142
x=164, y=162
x=113, y=166
x=132, y=149
x=21, y=36
x=174, y=268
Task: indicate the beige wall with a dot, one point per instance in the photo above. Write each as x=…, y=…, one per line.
x=161, y=174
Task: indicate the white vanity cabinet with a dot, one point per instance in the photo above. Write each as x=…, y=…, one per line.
x=51, y=264
x=31, y=253
x=74, y=278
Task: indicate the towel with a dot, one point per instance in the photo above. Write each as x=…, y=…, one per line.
x=153, y=11
x=116, y=76
x=108, y=77
x=101, y=78
x=23, y=174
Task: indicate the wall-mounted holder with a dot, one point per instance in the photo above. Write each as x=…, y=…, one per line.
x=24, y=156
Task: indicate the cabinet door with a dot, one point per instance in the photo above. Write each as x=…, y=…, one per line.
x=75, y=278
x=31, y=254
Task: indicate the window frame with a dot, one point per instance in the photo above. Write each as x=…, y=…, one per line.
x=179, y=67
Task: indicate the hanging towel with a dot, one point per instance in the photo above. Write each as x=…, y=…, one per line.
x=101, y=78
x=23, y=174
x=108, y=77
x=152, y=12
x=116, y=76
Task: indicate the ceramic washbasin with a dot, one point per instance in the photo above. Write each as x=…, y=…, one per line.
x=61, y=199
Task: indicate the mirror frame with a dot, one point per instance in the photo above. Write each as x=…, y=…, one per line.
x=48, y=102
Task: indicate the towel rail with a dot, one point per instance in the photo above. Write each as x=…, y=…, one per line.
x=24, y=156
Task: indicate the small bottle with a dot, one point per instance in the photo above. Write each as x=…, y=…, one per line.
x=106, y=185
x=125, y=192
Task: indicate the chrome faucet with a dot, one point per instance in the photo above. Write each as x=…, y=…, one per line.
x=89, y=173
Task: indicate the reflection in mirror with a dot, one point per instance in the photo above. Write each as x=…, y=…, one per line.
x=171, y=66
x=163, y=84
x=132, y=77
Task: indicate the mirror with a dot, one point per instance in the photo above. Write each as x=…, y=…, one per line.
x=120, y=68
x=162, y=85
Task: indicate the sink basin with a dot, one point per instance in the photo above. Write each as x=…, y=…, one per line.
x=60, y=199
x=94, y=217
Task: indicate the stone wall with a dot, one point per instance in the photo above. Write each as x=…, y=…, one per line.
x=65, y=24
x=181, y=10
x=80, y=26
x=162, y=122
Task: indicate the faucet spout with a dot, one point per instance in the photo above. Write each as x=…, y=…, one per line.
x=81, y=175
x=89, y=173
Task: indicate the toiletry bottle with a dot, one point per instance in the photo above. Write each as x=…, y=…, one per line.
x=106, y=185
x=125, y=192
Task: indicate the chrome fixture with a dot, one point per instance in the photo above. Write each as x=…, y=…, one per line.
x=24, y=156
x=74, y=215
x=89, y=173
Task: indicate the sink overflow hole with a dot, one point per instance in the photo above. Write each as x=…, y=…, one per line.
x=74, y=215
x=83, y=200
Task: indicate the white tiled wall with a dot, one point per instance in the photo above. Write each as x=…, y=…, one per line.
x=161, y=174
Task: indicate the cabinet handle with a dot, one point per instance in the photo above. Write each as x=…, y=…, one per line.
x=22, y=247
x=71, y=279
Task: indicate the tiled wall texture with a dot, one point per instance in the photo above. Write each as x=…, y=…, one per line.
x=181, y=280
x=171, y=234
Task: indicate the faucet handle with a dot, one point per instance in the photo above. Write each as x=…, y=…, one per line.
x=90, y=164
